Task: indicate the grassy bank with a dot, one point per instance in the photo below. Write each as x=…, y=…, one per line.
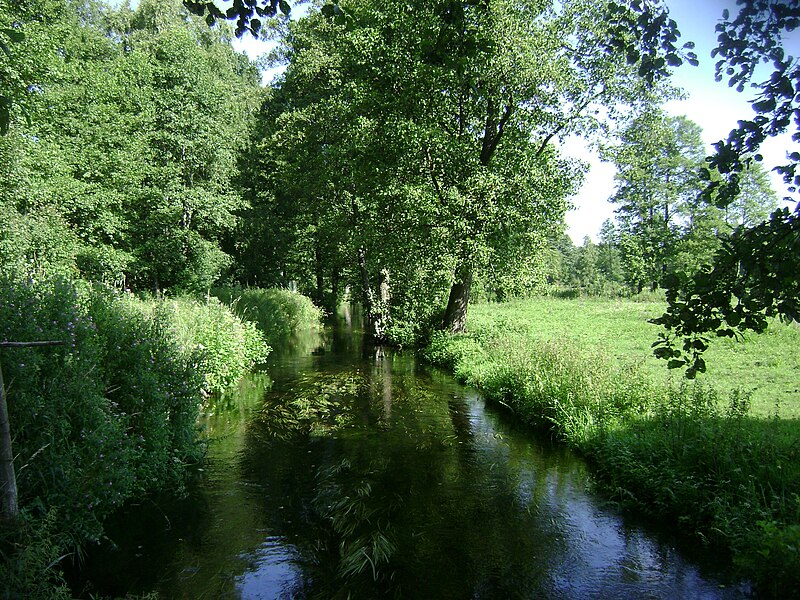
x=109, y=416
x=717, y=457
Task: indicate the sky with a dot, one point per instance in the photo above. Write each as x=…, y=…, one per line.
x=712, y=105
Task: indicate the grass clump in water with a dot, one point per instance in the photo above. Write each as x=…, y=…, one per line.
x=678, y=450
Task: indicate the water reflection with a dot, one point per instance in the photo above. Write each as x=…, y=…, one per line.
x=360, y=474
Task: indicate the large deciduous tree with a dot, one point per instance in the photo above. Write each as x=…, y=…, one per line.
x=124, y=173
x=658, y=161
x=428, y=128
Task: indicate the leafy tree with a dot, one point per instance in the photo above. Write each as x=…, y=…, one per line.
x=756, y=199
x=754, y=275
x=586, y=264
x=435, y=122
x=609, y=262
x=658, y=161
x=30, y=32
x=133, y=147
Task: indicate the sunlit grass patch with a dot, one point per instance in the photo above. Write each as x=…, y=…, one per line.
x=766, y=366
x=718, y=456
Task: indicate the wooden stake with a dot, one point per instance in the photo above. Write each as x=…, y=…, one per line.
x=9, y=509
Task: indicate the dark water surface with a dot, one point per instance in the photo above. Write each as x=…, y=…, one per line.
x=351, y=471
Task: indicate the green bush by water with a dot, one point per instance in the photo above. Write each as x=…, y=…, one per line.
x=110, y=415
x=226, y=345
x=681, y=451
x=278, y=313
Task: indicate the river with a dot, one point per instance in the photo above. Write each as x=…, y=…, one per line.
x=345, y=470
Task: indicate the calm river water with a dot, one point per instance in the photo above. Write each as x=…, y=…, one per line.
x=351, y=471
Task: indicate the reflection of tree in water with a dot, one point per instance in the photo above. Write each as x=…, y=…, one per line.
x=384, y=492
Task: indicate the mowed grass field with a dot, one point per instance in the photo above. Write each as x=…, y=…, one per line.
x=767, y=366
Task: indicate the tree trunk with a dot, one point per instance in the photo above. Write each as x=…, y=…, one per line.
x=320, y=292
x=376, y=310
x=9, y=510
x=368, y=296
x=455, y=317
x=380, y=318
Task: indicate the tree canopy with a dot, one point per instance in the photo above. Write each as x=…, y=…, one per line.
x=416, y=141
x=124, y=173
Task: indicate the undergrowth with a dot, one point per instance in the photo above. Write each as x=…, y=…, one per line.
x=110, y=415
x=278, y=313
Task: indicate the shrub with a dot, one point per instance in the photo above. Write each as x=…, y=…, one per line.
x=226, y=346
x=277, y=313
x=110, y=415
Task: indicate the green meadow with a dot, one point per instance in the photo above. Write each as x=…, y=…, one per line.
x=767, y=366
x=717, y=457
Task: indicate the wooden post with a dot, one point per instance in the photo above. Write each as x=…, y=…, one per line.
x=9, y=510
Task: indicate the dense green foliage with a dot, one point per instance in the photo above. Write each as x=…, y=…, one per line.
x=408, y=153
x=124, y=175
x=277, y=313
x=685, y=451
x=227, y=347
x=112, y=414
x=409, y=149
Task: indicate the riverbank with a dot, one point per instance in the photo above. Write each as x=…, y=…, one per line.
x=109, y=416
x=717, y=460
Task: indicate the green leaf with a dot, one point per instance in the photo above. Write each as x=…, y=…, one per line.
x=13, y=34
x=674, y=60
x=285, y=8
x=767, y=105
x=675, y=364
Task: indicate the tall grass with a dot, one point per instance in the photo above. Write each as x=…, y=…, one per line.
x=685, y=452
x=225, y=345
x=278, y=313
x=109, y=416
